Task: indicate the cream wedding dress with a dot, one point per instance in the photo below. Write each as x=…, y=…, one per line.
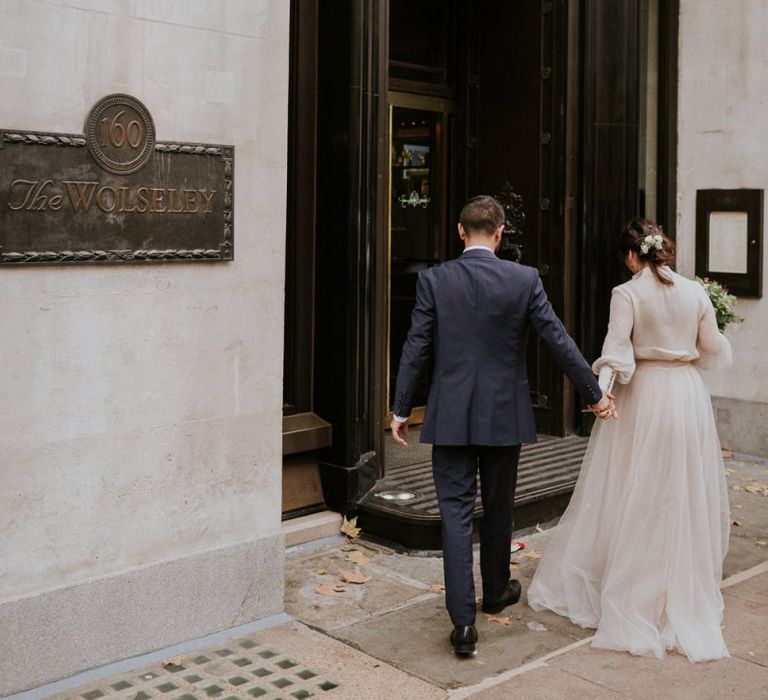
x=638, y=553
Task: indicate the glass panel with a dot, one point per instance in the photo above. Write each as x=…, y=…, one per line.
x=415, y=219
x=419, y=40
x=728, y=242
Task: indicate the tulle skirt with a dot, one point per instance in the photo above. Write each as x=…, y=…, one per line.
x=638, y=553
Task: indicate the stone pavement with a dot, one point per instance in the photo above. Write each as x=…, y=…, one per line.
x=582, y=673
x=386, y=636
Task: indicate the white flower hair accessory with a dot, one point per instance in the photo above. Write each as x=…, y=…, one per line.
x=656, y=242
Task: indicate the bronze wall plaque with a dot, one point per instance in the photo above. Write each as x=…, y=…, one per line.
x=113, y=195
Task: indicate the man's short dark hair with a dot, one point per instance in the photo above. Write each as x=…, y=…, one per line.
x=482, y=213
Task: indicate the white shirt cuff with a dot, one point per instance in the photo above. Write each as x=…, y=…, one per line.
x=605, y=377
x=399, y=419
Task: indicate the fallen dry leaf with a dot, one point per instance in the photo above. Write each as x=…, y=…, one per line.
x=737, y=488
x=737, y=506
x=536, y=626
x=321, y=572
x=501, y=619
x=437, y=587
x=729, y=471
x=758, y=489
x=539, y=528
x=531, y=555
x=350, y=528
x=761, y=543
x=170, y=663
x=749, y=478
x=727, y=454
x=513, y=565
x=355, y=576
x=329, y=590
x=357, y=557
x=735, y=523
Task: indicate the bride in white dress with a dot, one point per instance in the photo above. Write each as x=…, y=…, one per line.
x=638, y=553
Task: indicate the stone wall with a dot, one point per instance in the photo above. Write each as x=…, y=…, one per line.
x=723, y=132
x=140, y=405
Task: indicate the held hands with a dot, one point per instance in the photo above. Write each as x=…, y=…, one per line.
x=399, y=431
x=605, y=408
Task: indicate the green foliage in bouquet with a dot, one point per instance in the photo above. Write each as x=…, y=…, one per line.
x=723, y=302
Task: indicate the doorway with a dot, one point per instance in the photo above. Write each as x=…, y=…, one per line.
x=427, y=104
x=479, y=108
x=477, y=105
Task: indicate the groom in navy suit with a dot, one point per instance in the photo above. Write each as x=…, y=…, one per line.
x=473, y=314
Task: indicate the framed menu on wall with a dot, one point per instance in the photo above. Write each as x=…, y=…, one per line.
x=729, y=239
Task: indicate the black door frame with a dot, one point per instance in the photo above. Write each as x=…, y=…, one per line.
x=350, y=369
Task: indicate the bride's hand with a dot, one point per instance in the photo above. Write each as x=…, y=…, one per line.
x=605, y=408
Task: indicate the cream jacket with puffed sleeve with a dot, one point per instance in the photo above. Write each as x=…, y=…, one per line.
x=653, y=321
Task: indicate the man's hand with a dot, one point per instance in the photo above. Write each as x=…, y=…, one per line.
x=399, y=431
x=605, y=408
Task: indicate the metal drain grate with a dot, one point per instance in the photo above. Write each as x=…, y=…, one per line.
x=243, y=669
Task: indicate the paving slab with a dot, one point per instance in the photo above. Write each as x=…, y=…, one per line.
x=383, y=592
x=673, y=676
x=746, y=620
x=422, y=568
x=415, y=639
x=750, y=510
x=547, y=683
x=754, y=589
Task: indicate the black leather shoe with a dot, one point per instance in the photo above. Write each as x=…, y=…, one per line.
x=510, y=596
x=464, y=640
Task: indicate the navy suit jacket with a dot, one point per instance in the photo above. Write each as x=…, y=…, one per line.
x=474, y=314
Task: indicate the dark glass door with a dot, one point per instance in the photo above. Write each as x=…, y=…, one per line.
x=417, y=213
x=516, y=130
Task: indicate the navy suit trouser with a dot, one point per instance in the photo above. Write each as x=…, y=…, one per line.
x=455, y=471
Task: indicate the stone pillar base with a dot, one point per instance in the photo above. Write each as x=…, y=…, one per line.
x=53, y=634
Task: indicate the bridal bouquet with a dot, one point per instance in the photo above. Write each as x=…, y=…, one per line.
x=723, y=301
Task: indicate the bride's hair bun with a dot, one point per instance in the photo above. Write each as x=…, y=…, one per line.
x=650, y=242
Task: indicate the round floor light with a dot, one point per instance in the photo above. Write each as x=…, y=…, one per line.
x=396, y=495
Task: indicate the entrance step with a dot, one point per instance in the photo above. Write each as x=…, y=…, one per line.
x=311, y=527
x=546, y=477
